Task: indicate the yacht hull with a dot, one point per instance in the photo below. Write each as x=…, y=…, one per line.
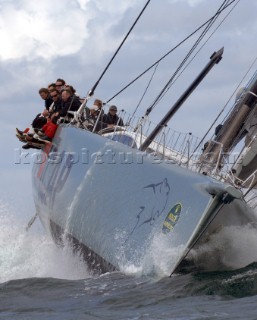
x=116, y=203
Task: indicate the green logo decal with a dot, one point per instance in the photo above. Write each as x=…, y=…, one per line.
x=172, y=218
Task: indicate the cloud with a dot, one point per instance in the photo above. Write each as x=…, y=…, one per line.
x=30, y=29
x=75, y=40
x=48, y=29
x=191, y=3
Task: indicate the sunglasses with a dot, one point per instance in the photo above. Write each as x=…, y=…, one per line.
x=54, y=96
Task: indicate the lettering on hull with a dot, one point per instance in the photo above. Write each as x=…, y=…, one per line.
x=172, y=218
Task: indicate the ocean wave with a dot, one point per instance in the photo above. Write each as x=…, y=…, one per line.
x=28, y=254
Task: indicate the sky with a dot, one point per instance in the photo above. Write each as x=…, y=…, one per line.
x=75, y=39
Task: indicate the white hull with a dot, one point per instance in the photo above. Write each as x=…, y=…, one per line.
x=115, y=202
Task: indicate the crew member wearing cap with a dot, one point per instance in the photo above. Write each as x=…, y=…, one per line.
x=111, y=118
x=95, y=116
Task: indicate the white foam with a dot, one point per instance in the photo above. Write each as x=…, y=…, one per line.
x=233, y=247
x=158, y=260
x=29, y=254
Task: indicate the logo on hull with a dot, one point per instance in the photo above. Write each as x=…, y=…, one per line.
x=172, y=218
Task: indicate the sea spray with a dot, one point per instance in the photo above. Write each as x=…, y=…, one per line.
x=28, y=254
x=231, y=248
x=156, y=260
x=161, y=255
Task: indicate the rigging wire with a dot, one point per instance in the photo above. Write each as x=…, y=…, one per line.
x=222, y=110
x=169, y=83
x=204, y=43
x=166, y=54
x=147, y=87
x=91, y=92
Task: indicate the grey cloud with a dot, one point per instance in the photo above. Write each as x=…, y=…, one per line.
x=160, y=28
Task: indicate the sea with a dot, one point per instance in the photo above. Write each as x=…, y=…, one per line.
x=39, y=280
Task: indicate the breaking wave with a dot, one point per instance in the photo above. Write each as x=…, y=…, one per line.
x=33, y=254
x=28, y=254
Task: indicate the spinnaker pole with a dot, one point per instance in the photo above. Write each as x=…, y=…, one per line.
x=214, y=59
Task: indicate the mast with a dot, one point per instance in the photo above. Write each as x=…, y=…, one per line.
x=234, y=128
x=214, y=59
